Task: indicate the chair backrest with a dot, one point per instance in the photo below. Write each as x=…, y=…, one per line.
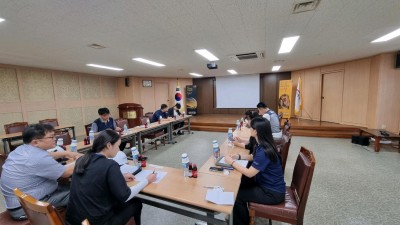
x=301, y=179
x=285, y=150
x=2, y=161
x=150, y=116
x=15, y=127
x=121, y=122
x=143, y=120
x=87, y=128
x=38, y=212
x=65, y=136
x=53, y=122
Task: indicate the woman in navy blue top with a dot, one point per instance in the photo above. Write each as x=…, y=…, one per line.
x=269, y=185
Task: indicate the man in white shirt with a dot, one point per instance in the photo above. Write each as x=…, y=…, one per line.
x=272, y=117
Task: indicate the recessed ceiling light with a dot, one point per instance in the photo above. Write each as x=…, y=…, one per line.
x=148, y=62
x=104, y=67
x=287, y=44
x=206, y=54
x=232, y=72
x=1, y=20
x=276, y=68
x=388, y=36
x=196, y=74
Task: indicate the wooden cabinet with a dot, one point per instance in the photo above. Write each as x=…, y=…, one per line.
x=132, y=112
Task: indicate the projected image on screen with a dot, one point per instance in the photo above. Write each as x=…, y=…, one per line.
x=238, y=91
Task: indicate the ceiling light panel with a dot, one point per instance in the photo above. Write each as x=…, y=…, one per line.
x=104, y=67
x=276, y=68
x=148, y=62
x=388, y=36
x=196, y=74
x=233, y=72
x=1, y=20
x=206, y=54
x=288, y=44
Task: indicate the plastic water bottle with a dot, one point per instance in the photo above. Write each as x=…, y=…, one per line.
x=237, y=125
x=125, y=129
x=148, y=122
x=135, y=155
x=159, y=120
x=230, y=137
x=216, y=150
x=91, y=136
x=185, y=165
x=60, y=142
x=74, y=145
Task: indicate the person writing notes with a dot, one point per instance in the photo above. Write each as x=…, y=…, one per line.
x=99, y=191
x=268, y=186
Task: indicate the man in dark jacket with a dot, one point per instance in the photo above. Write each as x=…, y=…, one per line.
x=175, y=113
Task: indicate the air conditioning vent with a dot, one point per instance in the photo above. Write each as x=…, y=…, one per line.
x=246, y=56
x=303, y=6
x=96, y=46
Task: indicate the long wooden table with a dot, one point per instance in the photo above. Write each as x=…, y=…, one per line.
x=376, y=134
x=6, y=138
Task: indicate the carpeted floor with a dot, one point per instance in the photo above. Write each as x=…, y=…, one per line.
x=351, y=184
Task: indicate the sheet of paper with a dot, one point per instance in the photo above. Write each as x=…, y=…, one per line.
x=241, y=162
x=144, y=173
x=220, y=197
x=155, y=166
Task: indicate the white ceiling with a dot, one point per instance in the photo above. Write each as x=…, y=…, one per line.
x=55, y=34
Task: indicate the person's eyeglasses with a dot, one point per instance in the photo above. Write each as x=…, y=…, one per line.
x=52, y=137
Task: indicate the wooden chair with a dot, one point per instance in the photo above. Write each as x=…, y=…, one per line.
x=53, y=122
x=284, y=150
x=121, y=122
x=65, y=136
x=292, y=209
x=87, y=128
x=130, y=222
x=286, y=129
x=2, y=161
x=15, y=128
x=38, y=212
x=150, y=116
x=154, y=136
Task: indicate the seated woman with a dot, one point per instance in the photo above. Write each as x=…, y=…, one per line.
x=247, y=144
x=99, y=191
x=269, y=185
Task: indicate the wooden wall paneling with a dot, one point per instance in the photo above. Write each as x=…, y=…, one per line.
x=355, y=92
x=372, y=108
x=311, y=94
x=269, y=90
x=388, y=114
x=332, y=93
x=332, y=68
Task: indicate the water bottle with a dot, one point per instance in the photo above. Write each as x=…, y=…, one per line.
x=230, y=137
x=135, y=155
x=185, y=165
x=60, y=142
x=125, y=129
x=159, y=121
x=148, y=122
x=237, y=125
x=216, y=150
x=91, y=136
x=74, y=145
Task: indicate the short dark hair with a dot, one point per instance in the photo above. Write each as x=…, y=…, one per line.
x=261, y=105
x=103, y=111
x=178, y=105
x=163, y=106
x=36, y=131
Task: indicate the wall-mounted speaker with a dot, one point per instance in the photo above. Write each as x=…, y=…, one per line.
x=126, y=81
x=398, y=59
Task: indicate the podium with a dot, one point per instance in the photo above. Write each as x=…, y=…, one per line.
x=131, y=112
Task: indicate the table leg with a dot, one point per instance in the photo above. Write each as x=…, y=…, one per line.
x=169, y=130
x=6, y=146
x=377, y=144
x=189, y=124
x=140, y=142
x=73, y=133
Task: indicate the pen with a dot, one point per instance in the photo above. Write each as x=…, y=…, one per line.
x=154, y=171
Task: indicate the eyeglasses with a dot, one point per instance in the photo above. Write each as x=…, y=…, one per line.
x=52, y=137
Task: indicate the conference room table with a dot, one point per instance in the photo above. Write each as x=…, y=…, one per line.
x=6, y=138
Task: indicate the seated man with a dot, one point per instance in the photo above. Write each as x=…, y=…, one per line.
x=105, y=121
x=174, y=112
x=272, y=117
x=161, y=112
x=34, y=171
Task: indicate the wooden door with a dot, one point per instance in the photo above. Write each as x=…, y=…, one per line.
x=161, y=94
x=332, y=97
